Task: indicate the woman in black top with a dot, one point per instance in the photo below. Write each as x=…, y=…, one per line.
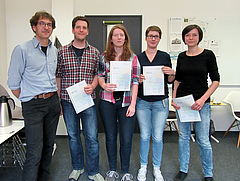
x=152, y=110
x=193, y=68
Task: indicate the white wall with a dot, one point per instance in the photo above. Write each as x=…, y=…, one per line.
x=63, y=32
x=63, y=20
x=223, y=17
x=15, y=15
x=158, y=13
x=18, y=14
x=3, y=49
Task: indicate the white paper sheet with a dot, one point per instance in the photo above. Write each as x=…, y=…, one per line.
x=186, y=114
x=176, y=43
x=214, y=45
x=80, y=100
x=120, y=74
x=176, y=24
x=154, y=80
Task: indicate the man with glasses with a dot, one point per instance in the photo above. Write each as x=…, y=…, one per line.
x=31, y=77
x=79, y=61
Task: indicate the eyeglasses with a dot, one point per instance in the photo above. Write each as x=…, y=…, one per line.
x=43, y=25
x=151, y=37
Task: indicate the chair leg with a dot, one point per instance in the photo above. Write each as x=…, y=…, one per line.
x=229, y=128
x=170, y=126
x=176, y=127
x=238, y=140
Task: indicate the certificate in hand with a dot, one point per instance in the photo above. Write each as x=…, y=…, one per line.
x=154, y=80
x=120, y=74
x=186, y=113
x=79, y=98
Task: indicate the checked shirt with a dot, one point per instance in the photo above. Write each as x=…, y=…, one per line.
x=71, y=72
x=104, y=71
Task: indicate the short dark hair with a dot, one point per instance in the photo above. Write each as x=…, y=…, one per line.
x=153, y=28
x=81, y=18
x=41, y=14
x=191, y=27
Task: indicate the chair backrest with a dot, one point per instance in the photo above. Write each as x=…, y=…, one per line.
x=171, y=108
x=3, y=91
x=172, y=111
x=233, y=98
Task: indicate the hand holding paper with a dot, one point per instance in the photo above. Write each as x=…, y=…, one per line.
x=120, y=74
x=198, y=105
x=177, y=107
x=80, y=100
x=186, y=113
x=88, y=89
x=141, y=78
x=154, y=82
x=110, y=87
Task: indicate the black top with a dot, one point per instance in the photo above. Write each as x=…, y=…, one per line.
x=44, y=49
x=79, y=53
x=161, y=59
x=193, y=71
x=118, y=94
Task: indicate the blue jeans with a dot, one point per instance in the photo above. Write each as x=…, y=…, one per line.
x=114, y=115
x=90, y=132
x=41, y=119
x=202, y=137
x=151, y=118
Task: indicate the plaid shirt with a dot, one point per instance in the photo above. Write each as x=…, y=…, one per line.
x=71, y=73
x=104, y=71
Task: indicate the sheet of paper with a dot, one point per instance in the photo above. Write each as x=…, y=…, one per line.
x=120, y=74
x=186, y=114
x=205, y=27
x=176, y=43
x=214, y=45
x=176, y=24
x=80, y=100
x=188, y=21
x=154, y=80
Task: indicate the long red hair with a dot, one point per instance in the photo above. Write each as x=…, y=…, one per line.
x=110, y=53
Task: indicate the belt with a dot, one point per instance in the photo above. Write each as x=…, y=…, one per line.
x=117, y=99
x=44, y=96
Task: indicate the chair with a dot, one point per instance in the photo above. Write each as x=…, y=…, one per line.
x=17, y=112
x=233, y=99
x=170, y=122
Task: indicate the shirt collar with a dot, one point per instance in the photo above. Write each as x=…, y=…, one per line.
x=36, y=43
x=71, y=44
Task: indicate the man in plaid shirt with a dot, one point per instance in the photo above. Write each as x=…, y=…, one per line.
x=79, y=61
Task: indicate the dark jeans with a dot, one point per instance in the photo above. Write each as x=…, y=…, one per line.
x=41, y=118
x=90, y=132
x=114, y=115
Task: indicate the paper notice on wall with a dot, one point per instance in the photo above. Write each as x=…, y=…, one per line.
x=214, y=45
